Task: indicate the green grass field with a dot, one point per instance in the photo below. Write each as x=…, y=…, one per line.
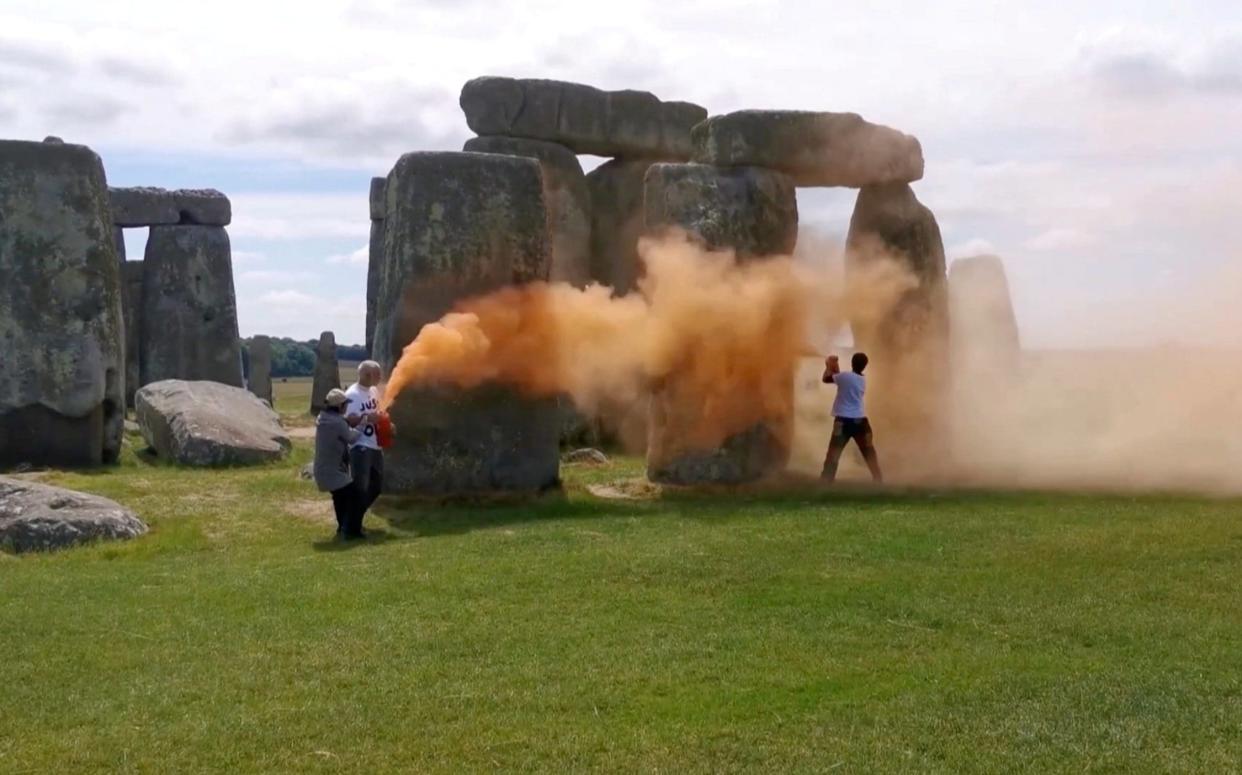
x=781, y=632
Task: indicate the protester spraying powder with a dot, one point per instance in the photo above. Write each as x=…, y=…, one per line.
x=849, y=418
x=366, y=456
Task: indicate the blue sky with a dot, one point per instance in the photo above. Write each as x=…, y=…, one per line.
x=1096, y=147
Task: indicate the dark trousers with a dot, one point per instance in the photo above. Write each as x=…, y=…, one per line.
x=368, y=469
x=844, y=429
x=346, y=504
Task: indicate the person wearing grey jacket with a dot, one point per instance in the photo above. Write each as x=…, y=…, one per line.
x=333, y=438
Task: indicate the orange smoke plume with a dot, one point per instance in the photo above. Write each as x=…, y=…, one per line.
x=720, y=327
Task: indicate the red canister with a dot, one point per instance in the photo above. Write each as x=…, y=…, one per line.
x=383, y=430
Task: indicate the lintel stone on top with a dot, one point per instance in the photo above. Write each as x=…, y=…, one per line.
x=814, y=148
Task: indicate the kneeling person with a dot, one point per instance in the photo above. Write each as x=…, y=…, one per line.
x=333, y=437
x=849, y=418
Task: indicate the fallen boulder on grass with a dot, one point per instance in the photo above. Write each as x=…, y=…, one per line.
x=39, y=517
x=209, y=424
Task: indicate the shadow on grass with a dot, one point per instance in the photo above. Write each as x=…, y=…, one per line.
x=336, y=544
x=424, y=518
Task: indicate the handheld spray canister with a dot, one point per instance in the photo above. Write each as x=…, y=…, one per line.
x=383, y=429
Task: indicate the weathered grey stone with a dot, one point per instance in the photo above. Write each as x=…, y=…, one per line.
x=616, y=189
x=62, y=371
x=378, y=186
x=189, y=309
x=38, y=517
x=208, y=424
x=203, y=206
x=983, y=329
x=753, y=212
x=907, y=337
x=742, y=457
x=118, y=239
x=143, y=206
x=131, y=279
x=54, y=140
x=375, y=262
x=260, y=382
x=582, y=118
x=327, y=371
x=461, y=224
x=749, y=210
x=816, y=149
x=567, y=197
x=587, y=456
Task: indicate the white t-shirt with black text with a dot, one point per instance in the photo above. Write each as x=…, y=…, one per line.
x=848, y=404
x=362, y=401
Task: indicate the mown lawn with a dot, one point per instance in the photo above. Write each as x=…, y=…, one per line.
x=803, y=631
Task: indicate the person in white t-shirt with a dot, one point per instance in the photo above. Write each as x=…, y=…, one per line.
x=366, y=459
x=849, y=417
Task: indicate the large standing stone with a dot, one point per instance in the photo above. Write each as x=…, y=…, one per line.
x=375, y=255
x=753, y=212
x=131, y=279
x=208, y=424
x=203, y=206
x=902, y=326
x=260, y=382
x=749, y=210
x=62, y=371
x=567, y=197
x=582, y=118
x=983, y=328
x=143, y=206
x=118, y=239
x=327, y=371
x=458, y=225
x=38, y=517
x=189, y=310
x=816, y=149
x=616, y=189
x=379, y=187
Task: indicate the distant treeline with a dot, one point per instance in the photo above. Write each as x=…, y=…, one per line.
x=291, y=358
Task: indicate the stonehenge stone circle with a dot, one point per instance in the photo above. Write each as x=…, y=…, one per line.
x=38, y=517
x=567, y=198
x=327, y=371
x=581, y=118
x=260, y=382
x=199, y=423
x=189, y=309
x=458, y=225
x=375, y=255
x=816, y=149
x=907, y=340
x=118, y=240
x=750, y=210
x=131, y=290
x=617, y=222
x=143, y=206
x=62, y=370
x=753, y=212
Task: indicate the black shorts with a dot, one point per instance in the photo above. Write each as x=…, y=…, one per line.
x=846, y=428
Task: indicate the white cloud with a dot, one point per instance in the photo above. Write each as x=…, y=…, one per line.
x=302, y=216
x=1059, y=239
x=976, y=246
x=248, y=256
x=269, y=276
x=359, y=257
x=287, y=298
